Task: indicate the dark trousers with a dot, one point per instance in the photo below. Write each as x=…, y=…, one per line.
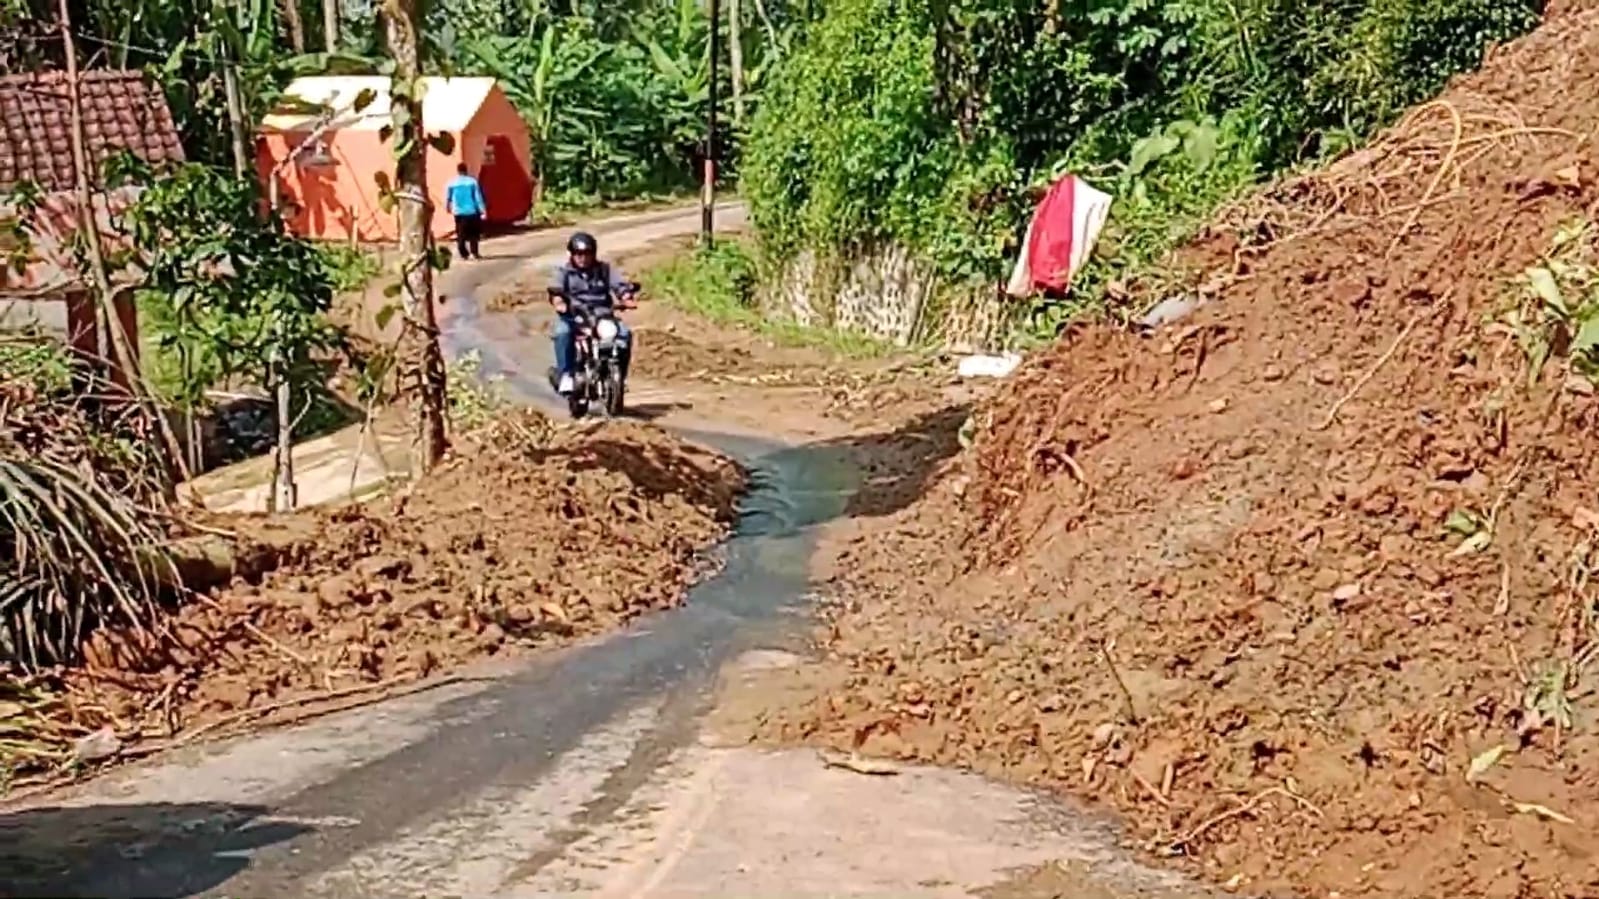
x=468, y=231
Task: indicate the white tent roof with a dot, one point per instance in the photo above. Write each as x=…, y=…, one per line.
x=448, y=104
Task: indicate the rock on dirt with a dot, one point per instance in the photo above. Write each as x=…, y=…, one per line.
x=530, y=534
x=1300, y=585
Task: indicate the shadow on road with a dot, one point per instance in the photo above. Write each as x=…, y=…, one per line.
x=653, y=411
x=898, y=467
x=152, y=851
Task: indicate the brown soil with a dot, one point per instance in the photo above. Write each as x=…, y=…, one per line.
x=1208, y=578
x=532, y=534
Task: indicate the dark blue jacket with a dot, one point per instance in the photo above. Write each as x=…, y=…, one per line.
x=593, y=287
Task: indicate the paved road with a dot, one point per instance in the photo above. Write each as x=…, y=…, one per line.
x=578, y=773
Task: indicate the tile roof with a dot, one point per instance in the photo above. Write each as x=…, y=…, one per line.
x=120, y=112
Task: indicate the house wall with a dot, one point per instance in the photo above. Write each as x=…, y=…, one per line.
x=499, y=152
x=51, y=227
x=340, y=200
x=71, y=316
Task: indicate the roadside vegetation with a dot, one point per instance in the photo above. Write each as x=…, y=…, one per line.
x=719, y=284
x=1172, y=107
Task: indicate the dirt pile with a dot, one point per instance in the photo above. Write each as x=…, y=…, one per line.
x=531, y=534
x=1302, y=584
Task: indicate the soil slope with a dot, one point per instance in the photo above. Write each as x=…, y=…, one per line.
x=1301, y=584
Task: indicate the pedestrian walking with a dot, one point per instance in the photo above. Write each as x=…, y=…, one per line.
x=464, y=200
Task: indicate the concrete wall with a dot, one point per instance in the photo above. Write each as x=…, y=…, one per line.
x=887, y=293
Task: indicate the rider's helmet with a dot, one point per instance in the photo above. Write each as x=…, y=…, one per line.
x=583, y=243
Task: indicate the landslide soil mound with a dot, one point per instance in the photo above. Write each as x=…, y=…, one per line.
x=1301, y=584
x=531, y=534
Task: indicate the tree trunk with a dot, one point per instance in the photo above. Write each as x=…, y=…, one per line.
x=330, y=25
x=735, y=51
x=123, y=365
x=236, y=125
x=291, y=12
x=421, y=360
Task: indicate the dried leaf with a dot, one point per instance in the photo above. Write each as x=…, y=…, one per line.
x=858, y=764
x=1542, y=811
x=1484, y=760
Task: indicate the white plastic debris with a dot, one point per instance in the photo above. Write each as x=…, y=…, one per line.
x=982, y=366
x=102, y=744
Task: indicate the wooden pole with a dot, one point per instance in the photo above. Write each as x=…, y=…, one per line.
x=735, y=46
x=708, y=190
x=330, y=25
x=124, y=362
x=124, y=368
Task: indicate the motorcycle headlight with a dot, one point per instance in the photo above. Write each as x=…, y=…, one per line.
x=606, y=329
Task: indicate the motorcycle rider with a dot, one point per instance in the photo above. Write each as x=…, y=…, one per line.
x=583, y=280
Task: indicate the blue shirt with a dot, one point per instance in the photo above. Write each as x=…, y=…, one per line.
x=463, y=196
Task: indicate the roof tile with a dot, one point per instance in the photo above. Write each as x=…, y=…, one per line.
x=120, y=112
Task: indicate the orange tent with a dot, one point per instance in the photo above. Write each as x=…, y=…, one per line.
x=326, y=156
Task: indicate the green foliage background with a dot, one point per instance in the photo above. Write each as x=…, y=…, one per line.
x=928, y=122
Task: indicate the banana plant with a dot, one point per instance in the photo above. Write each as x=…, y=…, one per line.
x=538, y=73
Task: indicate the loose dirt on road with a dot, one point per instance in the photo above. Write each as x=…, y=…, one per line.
x=532, y=534
x=1301, y=585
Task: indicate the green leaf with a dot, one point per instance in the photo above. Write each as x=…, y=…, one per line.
x=1543, y=283
x=386, y=314
x=390, y=291
x=1463, y=523
x=1200, y=145
x=1587, y=335
x=1150, y=149
x=1476, y=543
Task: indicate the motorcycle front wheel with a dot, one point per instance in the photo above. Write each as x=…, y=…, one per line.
x=613, y=394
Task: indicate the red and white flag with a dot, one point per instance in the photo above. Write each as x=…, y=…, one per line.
x=1060, y=237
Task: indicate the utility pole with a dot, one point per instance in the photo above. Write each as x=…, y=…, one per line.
x=708, y=194
x=124, y=364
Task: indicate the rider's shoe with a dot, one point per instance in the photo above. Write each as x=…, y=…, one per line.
x=565, y=386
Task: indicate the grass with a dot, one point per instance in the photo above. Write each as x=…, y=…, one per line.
x=36, y=360
x=718, y=284
x=351, y=267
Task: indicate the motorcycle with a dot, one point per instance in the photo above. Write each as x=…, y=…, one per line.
x=598, y=377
